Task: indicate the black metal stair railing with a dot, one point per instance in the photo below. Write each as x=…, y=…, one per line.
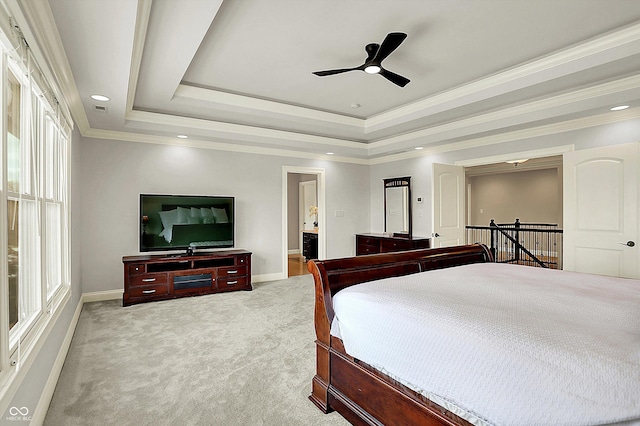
x=532, y=244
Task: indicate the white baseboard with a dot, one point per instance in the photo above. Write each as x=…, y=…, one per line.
x=294, y=251
x=50, y=386
x=268, y=277
x=100, y=296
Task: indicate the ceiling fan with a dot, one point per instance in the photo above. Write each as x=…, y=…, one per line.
x=376, y=53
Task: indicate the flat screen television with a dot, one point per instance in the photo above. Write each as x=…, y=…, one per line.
x=186, y=222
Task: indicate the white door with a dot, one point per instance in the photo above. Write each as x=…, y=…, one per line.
x=601, y=211
x=448, y=205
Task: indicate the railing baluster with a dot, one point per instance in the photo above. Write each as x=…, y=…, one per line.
x=508, y=242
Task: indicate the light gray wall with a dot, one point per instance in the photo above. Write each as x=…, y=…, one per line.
x=114, y=173
x=30, y=390
x=533, y=196
x=420, y=171
x=420, y=168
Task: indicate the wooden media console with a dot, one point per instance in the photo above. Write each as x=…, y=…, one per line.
x=148, y=278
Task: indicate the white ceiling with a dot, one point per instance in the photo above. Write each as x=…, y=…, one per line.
x=238, y=74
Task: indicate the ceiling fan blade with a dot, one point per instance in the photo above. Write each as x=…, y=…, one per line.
x=332, y=72
x=394, y=78
x=390, y=43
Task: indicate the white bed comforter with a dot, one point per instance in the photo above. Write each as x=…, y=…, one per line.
x=503, y=344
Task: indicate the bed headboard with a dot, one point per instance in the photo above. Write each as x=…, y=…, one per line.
x=333, y=275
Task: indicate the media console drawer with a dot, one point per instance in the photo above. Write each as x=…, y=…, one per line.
x=237, y=271
x=149, y=291
x=149, y=278
x=230, y=284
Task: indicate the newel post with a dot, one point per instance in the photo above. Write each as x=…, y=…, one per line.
x=494, y=236
x=517, y=226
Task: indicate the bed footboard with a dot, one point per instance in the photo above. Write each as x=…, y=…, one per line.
x=342, y=383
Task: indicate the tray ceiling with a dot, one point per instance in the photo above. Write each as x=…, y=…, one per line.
x=237, y=74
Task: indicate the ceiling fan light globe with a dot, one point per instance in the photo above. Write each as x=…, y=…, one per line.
x=372, y=69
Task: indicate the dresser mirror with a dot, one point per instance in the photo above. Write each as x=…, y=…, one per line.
x=397, y=206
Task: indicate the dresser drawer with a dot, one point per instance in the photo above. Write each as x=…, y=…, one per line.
x=367, y=249
x=230, y=283
x=367, y=241
x=149, y=291
x=395, y=245
x=148, y=279
x=232, y=271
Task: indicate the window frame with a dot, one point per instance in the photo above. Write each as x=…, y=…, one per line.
x=18, y=351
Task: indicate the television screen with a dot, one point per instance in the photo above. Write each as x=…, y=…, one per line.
x=181, y=222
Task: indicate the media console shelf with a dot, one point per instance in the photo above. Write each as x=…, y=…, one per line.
x=148, y=278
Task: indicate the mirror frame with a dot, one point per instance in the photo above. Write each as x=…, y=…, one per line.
x=399, y=183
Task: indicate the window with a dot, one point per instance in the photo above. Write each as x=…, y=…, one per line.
x=35, y=190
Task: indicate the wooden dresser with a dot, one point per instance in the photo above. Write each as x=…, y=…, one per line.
x=148, y=278
x=383, y=243
x=310, y=245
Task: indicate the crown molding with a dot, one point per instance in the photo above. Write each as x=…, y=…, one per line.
x=539, y=131
x=216, y=146
x=533, y=132
x=594, y=52
x=265, y=106
x=543, y=108
x=37, y=24
x=256, y=134
x=527, y=110
x=139, y=36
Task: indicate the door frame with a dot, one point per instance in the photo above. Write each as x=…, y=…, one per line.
x=322, y=230
x=499, y=158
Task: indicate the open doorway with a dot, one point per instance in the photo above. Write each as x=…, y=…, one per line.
x=516, y=209
x=304, y=227
x=470, y=194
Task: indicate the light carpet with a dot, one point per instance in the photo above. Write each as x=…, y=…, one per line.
x=240, y=358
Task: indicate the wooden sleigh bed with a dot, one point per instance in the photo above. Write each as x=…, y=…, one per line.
x=364, y=395
x=358, y=392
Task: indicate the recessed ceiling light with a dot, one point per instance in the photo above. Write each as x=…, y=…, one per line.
x=329, y=153
x=182, y=136
x=619, y=107
x=102, y=98
x=418, y=147
x=355, y=105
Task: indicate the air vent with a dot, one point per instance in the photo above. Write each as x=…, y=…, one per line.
x=100, y=108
